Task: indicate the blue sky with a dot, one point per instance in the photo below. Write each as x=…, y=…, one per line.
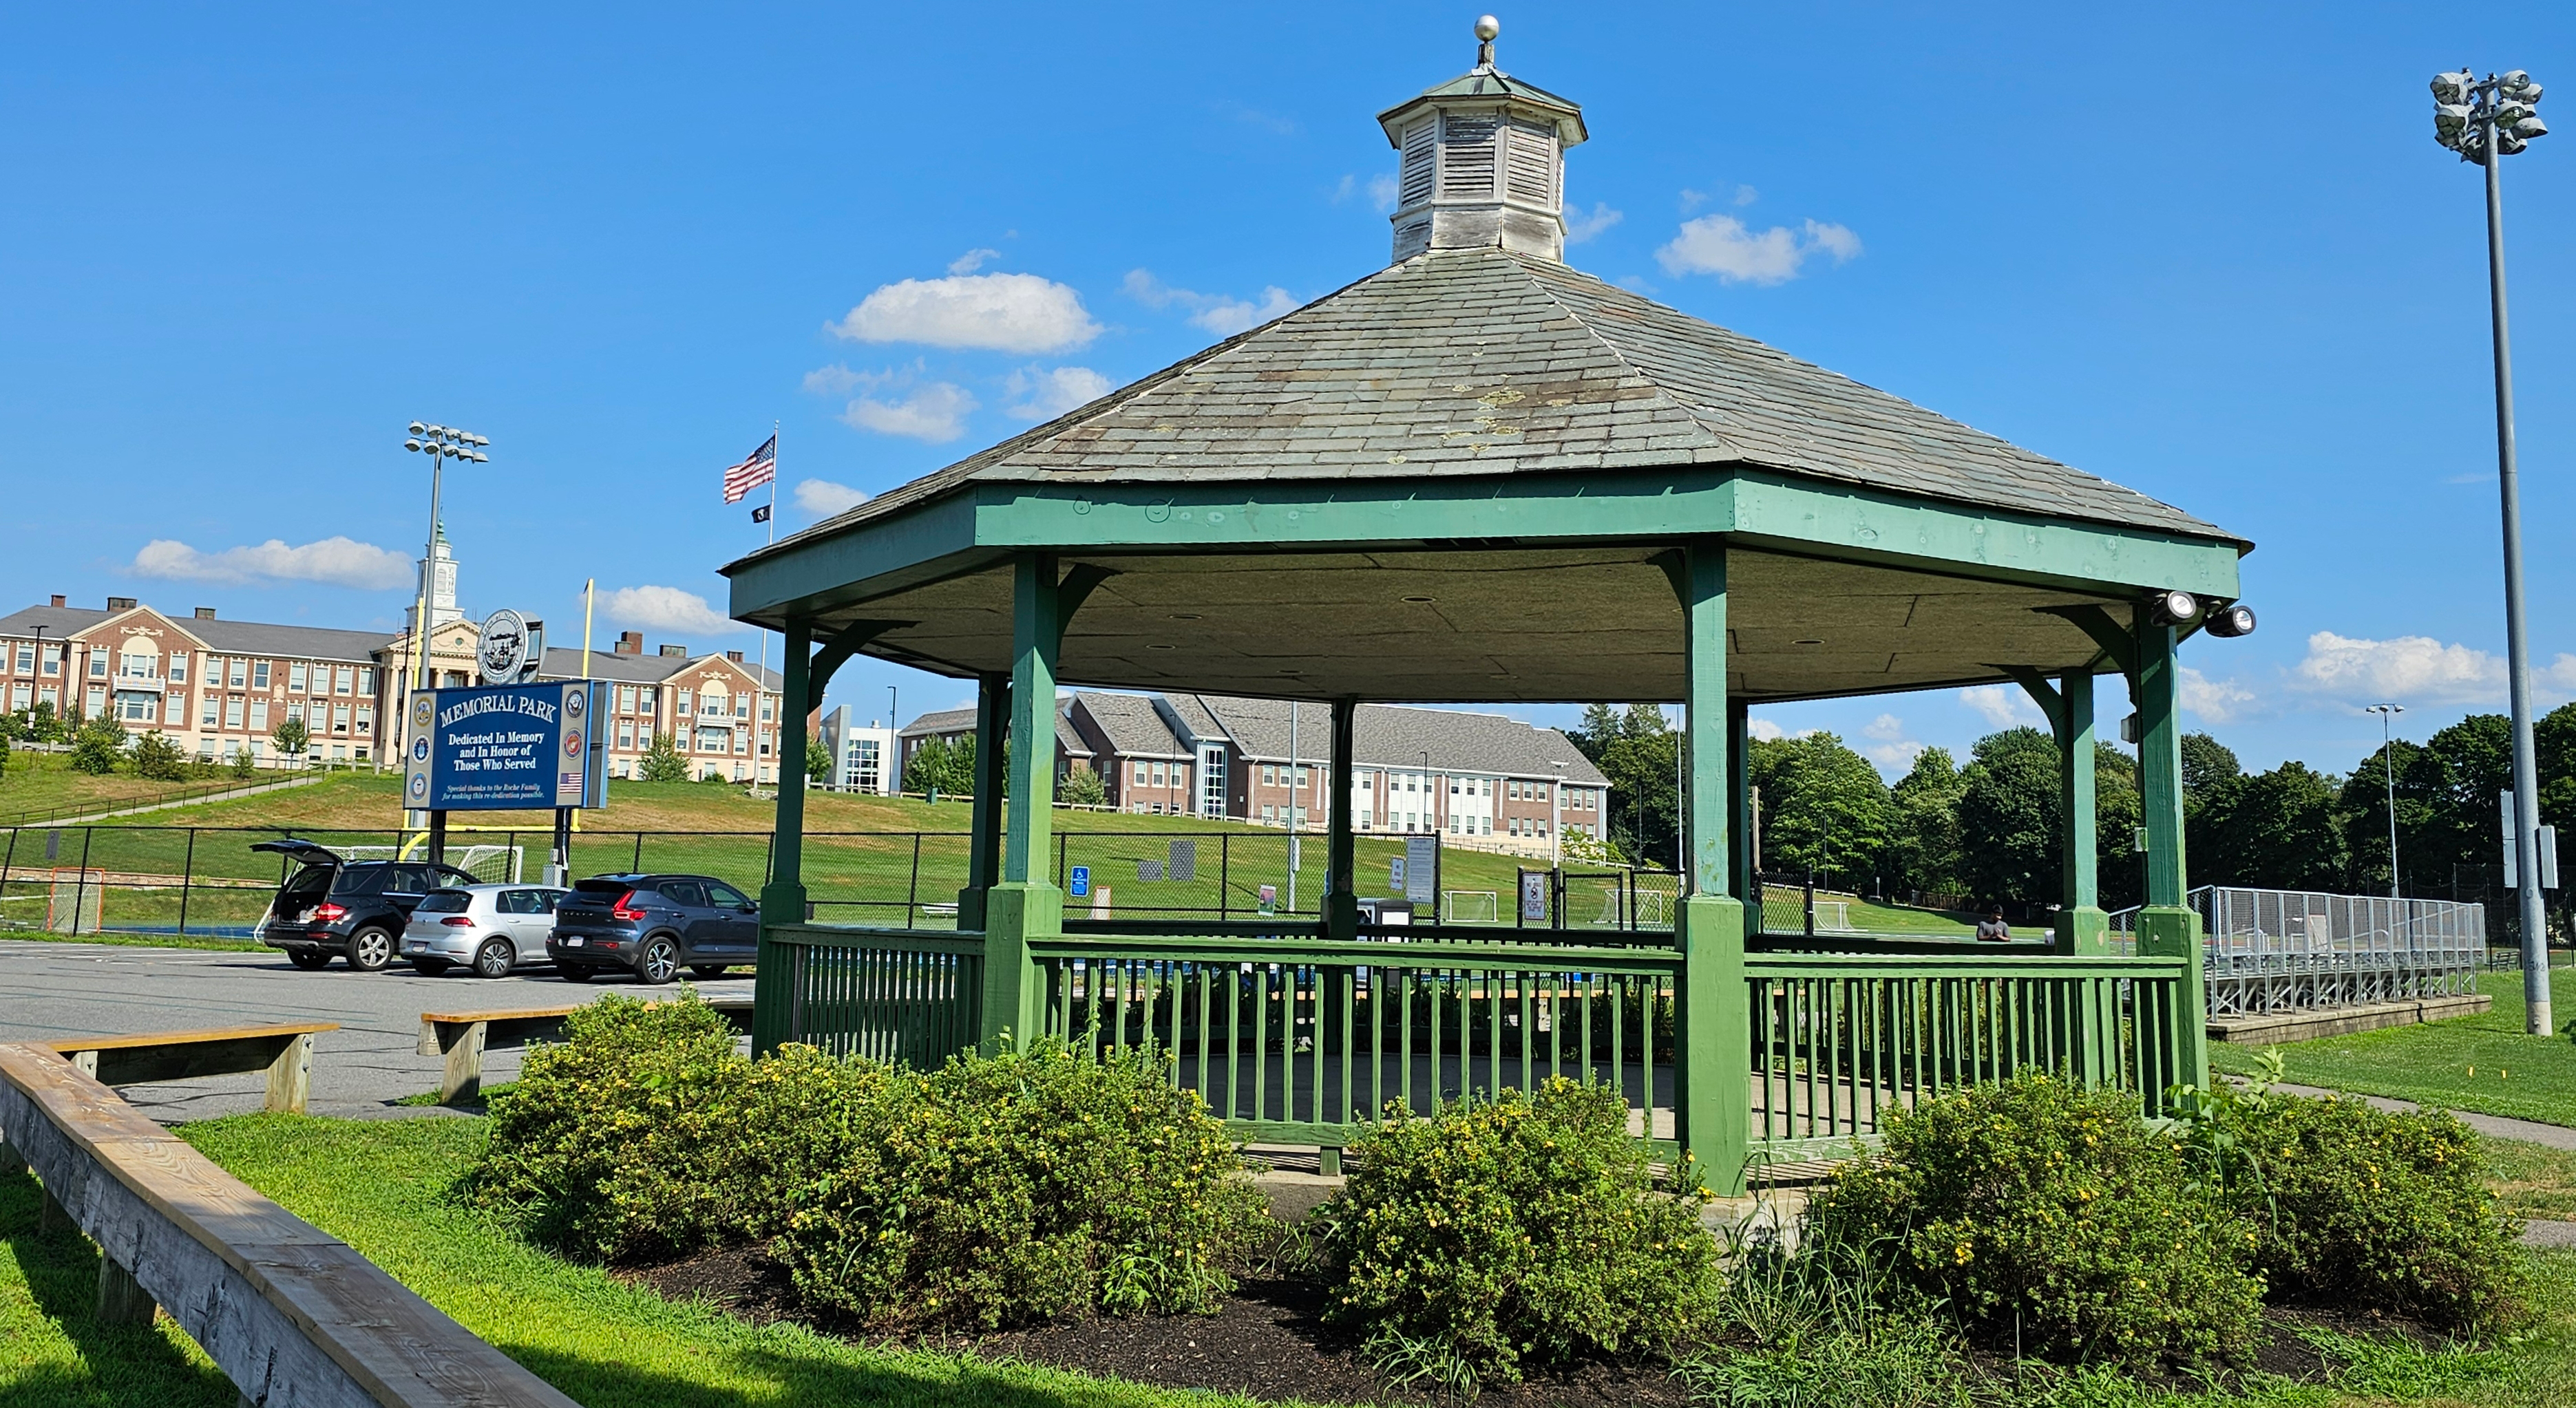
x=2209, y=252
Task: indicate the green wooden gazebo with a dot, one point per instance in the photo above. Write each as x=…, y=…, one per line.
x=1479, y=475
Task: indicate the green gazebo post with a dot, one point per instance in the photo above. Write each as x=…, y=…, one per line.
x=1478, y=475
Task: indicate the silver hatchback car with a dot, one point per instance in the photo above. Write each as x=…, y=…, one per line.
x=490, y=928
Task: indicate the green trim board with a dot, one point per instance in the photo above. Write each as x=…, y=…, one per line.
x=971, y=527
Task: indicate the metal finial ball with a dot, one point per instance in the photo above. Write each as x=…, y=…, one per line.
x=1487, y=27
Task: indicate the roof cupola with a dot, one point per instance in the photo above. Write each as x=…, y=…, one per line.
x=1482, y=161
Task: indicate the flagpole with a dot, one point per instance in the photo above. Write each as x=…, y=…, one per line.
x=761, y=681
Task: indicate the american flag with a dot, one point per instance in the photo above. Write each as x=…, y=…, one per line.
x=759, y=469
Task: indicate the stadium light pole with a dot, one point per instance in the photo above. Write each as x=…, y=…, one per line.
x=2485, y=120
x=441, y=443
x=2388, y=755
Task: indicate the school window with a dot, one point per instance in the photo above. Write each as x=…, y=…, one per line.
x=98, y=664
x=366, y=721
x=19, y=697
x=1269, y=813
x=135, y=665
x=1269, y=775
x=340, y=679
x=137, y=708
x=233, y=712
x=26, y=659
x=366, y=680
x=295, y=710
x=97, y=702
x=295, y=677
x=625, y=733
x=768, y=708
x=207, y=719
x=1489, y=827
x=259, y=674
x=685, y=698
x=1141, y=773
x=626, y=699
x=340, y=718
x=179, y=666
x=259, y=716
x=53, y=659
x=652, y=698
x=1364, y=782
x=1162, y=775
x=1305, y=776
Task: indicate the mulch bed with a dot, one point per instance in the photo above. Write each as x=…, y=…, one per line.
x=1268, y=1341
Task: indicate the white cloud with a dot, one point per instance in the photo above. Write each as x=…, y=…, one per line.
x=1382, y=192
x=935, y=413
x=1722, y=245
x=1580, y=227
x=1044, y=395
x=1889, y=747
x=2417, y=668
x=823, y=498
x=2218, y=701
x=665, y=609
x=336, y=561
x=2001, y=705
x=1215, y=312
x=1765, y=730
x=1002, y=312
x=837, y=379
x=973, y=260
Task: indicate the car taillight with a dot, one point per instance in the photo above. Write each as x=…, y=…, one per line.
x=329, y=913
x=458, y=921
x=621, y=912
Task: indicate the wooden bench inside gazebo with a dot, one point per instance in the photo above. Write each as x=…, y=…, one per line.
x=1478, y=475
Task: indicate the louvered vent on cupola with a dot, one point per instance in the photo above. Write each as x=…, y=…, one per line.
x=1467, y=156
x=1531, y=166
x=1482, y=162
x=1420, y=154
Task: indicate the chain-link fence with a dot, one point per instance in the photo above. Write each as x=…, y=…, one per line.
x=1589, y=899
x=2293, y=950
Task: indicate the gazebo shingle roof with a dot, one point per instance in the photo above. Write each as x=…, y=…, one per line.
x=1484, y=362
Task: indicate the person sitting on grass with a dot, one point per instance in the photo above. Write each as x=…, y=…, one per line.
x=1993, y=929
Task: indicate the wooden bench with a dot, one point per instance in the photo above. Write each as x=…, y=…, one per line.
x=290, y=1313
x=285, y=1052
x=461, y=1038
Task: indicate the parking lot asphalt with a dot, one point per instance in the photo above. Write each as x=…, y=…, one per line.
x=51, y=991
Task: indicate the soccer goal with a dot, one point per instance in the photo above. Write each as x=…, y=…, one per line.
x=493, y=865
x=1470, y=907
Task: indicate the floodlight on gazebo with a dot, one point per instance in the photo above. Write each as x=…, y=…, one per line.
x=2175, y=608
x=2450, y=123
x=2454, y=87
x=2232, y=621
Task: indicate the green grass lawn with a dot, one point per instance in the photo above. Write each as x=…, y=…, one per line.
x=37, y=784
x=379, y=1185
x=2482, y=1063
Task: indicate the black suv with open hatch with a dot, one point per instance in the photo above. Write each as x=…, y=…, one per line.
x=355, y=909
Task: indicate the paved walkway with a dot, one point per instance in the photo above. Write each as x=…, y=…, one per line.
x=50, y=990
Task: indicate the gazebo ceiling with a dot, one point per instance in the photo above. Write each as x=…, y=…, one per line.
x=1547, y=625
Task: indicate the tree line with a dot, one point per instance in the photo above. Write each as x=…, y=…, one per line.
x=1992, y=828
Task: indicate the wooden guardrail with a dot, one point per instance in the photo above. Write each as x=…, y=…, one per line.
x=291, y=1314
x=461, y=1038
x=285, y=1052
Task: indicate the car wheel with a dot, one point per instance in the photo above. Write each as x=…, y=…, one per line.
x=704, y=971
x=571, y=974
x=492, y=960
x=431, y=967
x=307, y=959
x=659, y=963
x=370, y=950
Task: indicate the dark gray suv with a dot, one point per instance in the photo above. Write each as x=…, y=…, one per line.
x=653, y=926
x=353, y=908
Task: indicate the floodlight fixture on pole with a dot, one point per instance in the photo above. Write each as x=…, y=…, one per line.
x=441, y=443
x=2485, y=120
x=2388, y=755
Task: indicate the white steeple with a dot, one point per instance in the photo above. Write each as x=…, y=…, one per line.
x=438, y=575
x=1483, y=161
